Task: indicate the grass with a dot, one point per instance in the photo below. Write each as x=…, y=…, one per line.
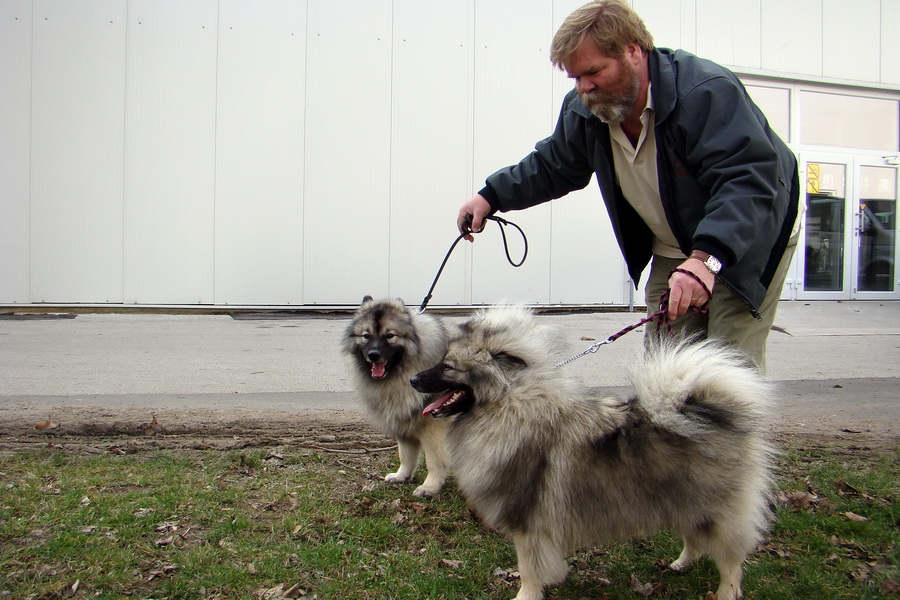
x=294, y=522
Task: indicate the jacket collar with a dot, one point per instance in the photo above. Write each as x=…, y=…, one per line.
x=662, y=74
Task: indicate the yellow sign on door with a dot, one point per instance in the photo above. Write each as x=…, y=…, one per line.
x=812, y=178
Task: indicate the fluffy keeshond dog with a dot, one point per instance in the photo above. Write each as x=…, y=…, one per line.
x=385, y=344
x=555, y=469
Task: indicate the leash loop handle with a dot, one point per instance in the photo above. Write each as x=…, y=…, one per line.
x=502, y=223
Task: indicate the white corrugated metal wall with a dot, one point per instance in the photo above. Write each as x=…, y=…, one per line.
x=284, y=153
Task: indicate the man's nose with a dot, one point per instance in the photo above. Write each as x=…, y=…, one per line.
x=584, y=85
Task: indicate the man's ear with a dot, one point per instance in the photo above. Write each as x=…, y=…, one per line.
x=634, y=53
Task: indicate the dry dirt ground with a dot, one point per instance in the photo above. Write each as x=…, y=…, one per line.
x=96, y=430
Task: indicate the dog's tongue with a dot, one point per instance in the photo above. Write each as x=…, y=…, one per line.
x=378, y=370
x=443, y=399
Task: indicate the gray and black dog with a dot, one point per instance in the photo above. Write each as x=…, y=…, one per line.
x=385, y=344
x=555, y=469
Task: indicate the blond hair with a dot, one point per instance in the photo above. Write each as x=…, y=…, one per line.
x=610, y=24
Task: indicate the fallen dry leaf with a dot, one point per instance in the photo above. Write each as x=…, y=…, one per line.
x=506, y=575
x=860, y=574
x=800, y=500
x=846, y=490
x=450, y=564
x=775, y=549
x=48, y=424
x=854, y=517
x=279, y=591
x=69, y=590
x=167, y=526
x=294, y=592
x=148, y=428
x=644, y=589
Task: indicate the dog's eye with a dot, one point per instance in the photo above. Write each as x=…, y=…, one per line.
x=447, y=367
x=389, y=336
x=366, y=336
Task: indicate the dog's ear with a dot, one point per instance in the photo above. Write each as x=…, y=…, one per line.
x=366, y=299
x=508, y=362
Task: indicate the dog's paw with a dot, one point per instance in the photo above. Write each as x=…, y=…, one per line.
x=426, y=492
x=396, y=478
x=687, y=558
x=678, y=566
x=530, y=593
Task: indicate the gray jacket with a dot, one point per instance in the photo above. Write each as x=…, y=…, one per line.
x=729, y=185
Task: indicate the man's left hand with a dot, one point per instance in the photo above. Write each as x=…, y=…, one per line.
x=685, y=291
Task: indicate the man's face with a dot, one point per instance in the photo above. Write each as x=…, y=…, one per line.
x=608, y=87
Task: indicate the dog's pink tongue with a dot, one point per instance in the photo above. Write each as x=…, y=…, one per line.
x=443, y=399
x=378, y=370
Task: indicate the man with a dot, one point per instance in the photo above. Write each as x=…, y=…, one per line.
x=691, y=174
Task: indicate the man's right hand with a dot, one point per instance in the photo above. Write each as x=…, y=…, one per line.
x=476, y=207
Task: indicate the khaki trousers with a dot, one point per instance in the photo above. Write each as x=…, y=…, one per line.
x=729, y=317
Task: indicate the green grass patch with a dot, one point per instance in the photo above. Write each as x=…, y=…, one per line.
x=294, y=522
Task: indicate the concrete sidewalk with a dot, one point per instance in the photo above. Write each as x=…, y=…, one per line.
x=838, y=363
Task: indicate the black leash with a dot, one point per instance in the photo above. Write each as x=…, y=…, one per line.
x=502, y=223
x=661, y=317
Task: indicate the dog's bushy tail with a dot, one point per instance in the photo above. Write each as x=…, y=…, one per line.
x=690, y=387
x=710, y=398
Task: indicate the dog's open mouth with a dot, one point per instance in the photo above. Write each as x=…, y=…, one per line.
x=379, y=370
x=449, y=403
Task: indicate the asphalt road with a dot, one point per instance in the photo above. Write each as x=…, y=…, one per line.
x=836, y=364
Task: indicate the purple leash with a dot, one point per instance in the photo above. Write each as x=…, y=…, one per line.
x=661, y=317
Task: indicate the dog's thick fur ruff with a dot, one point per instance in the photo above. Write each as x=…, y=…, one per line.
x=554, y=469
x=385, y=344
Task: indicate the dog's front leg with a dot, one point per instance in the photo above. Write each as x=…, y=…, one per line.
x=530, y=591
x=730, y=582
x=540, y=565
x=436, y=462
x=410, y=451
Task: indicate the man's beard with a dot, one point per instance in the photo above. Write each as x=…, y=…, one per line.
x=613, y=105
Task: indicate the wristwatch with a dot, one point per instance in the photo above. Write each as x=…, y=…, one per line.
x=712, y=264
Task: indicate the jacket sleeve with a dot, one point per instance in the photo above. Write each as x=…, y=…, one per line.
x=729, y=150
x=557, y=166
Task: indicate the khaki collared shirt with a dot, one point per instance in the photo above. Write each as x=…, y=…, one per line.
x=637, y=175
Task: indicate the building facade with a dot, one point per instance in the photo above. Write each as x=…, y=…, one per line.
x=290, y=153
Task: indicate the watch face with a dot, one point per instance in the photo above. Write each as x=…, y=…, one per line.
x=712, y=263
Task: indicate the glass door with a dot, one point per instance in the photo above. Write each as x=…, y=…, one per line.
x=848, y=248
x=875, y=231
x=823, y=255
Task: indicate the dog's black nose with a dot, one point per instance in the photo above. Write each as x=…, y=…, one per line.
x=374, y=356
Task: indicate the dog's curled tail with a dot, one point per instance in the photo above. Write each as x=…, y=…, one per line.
x=690, y=387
